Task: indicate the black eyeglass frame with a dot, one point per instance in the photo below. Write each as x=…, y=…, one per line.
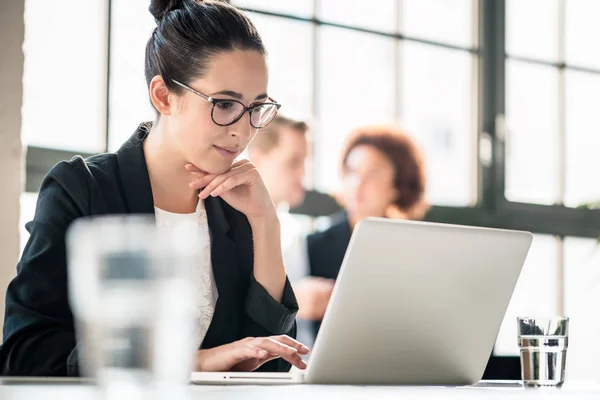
x=245, y=109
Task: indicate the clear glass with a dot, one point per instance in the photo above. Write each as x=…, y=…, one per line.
x=581, y=299
x=532, y=161
x=129, y=102
x=446, y=21
x=300, y=8
x=437, y=109
x=536, y=292
x=290, y=59
x=543, y=344
x=64, y=77
x=581, y=33
x=582, y=98
x=130, y=292
x=356, y=88
x=377, y=17
x=532, y=29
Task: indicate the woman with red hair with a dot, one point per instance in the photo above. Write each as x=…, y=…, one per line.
x=383, y=175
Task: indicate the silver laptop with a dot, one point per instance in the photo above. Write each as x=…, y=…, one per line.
x=414, y=303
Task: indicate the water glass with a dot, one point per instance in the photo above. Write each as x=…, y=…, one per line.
x=130, y=292
x=543, y=346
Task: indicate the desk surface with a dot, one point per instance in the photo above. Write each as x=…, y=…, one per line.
x=59, y=389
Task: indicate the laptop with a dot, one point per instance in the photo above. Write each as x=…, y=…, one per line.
x=415, y=303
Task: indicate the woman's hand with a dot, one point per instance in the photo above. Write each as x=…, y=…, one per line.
x=250, y=353
x=313, y=294
x=241, y=187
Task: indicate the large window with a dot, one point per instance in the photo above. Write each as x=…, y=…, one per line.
x=350, y=65
x=552, y=93
x=501, y=95
x=64, y=81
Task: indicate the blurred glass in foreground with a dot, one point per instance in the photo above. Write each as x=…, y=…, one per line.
x=131, y=296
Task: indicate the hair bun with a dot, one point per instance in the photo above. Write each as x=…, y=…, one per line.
x=160, y=8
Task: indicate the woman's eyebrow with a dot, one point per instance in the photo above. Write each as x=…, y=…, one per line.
x=237, y=95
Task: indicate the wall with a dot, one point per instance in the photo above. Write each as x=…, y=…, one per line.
x=12, y=31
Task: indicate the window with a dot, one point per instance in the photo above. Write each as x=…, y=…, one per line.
x=354, y=90
x=532, y=29
x=64, y=77
x=380, y=17
x=552, y=81
x=436, y=108
x=581, y=31
x=131, y=27
x=302, y=8
x=582, y=98
x=290, y=61
x=27, y=204
x=532, y=157
x=582, y=295
x=446, y=21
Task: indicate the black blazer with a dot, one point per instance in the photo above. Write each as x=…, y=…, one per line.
x=326, y=249
x=326, y=252
x=39, y=334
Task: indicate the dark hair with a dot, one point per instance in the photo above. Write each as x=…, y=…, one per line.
x=407, y=159
x=269, y=136
x=189, y=33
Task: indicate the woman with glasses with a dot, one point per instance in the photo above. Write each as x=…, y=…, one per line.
x=383, y=175
x=207, y=80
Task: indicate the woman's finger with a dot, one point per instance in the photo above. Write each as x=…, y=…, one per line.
x=295, y=360
x=229, y=184
x=198, y=174
x=192, y=168
x=274, y=346
x=209, y=189
x=247, y=351
x=288, y=353
x=285, y=339
x=202, y=181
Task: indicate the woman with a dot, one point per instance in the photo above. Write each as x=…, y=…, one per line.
x=207, y=80
x=383, y=175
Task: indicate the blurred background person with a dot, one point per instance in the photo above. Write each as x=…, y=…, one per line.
x=383, y=175
x=279, y=153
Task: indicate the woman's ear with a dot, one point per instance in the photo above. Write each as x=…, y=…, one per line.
x=160, y=95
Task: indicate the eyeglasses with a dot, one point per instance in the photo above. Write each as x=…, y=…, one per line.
x=227, y=112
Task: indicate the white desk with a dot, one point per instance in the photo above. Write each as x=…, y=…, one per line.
x=61, y=390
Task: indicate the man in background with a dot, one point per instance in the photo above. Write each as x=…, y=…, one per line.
x=279, y=152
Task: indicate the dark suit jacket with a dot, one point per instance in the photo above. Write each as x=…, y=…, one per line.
x=39, y=334
x=326, y=249
x=326, y=252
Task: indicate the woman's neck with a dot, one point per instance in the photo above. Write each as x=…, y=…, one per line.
x=168, y=177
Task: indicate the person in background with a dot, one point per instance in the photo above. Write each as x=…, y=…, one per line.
x=383, y=175
x=207, y=80
x=279, y=153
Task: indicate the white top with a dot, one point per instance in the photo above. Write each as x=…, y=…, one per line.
x=203, y=277
x=293, y=246
x=295, y=259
